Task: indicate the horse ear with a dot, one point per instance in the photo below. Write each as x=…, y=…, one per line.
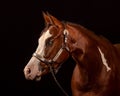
x=55, y=21
x=47, y=19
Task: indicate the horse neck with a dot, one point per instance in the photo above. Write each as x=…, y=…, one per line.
x=85, y=52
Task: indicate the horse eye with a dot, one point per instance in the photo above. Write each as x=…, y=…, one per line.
x=49, y=43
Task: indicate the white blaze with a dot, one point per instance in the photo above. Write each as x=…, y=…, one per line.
x=104, y=59
x=42, y=40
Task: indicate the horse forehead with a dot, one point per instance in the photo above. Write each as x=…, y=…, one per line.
x=45, y=35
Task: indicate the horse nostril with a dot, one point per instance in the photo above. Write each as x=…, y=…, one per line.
x=28, y=71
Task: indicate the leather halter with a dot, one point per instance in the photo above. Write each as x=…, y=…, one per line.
x=54, y=60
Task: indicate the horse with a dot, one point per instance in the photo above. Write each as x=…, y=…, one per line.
x=97, y=66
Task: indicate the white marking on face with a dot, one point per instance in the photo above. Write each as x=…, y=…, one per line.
x=104, y=60
x=41, y=47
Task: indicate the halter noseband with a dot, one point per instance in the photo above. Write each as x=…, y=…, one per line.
x=49, y=61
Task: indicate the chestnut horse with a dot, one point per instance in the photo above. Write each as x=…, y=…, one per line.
x=97, y=69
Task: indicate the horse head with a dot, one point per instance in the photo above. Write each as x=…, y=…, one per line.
x=51, y=50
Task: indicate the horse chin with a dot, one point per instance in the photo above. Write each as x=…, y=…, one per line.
x=38, y=78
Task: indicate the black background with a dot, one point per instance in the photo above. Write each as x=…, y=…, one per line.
x=21, y=23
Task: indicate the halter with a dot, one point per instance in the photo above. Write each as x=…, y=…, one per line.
x=51, y=61
x=54, y=60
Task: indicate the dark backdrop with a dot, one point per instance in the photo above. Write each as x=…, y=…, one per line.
x=21, y=23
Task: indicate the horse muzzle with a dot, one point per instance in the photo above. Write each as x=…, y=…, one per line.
x=33, y=70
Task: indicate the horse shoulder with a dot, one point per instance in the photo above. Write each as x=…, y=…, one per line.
x=77, y=81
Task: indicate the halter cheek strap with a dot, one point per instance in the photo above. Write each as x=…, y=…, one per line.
x=58, y=54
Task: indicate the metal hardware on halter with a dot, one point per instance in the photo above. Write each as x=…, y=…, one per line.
x=66, y=33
